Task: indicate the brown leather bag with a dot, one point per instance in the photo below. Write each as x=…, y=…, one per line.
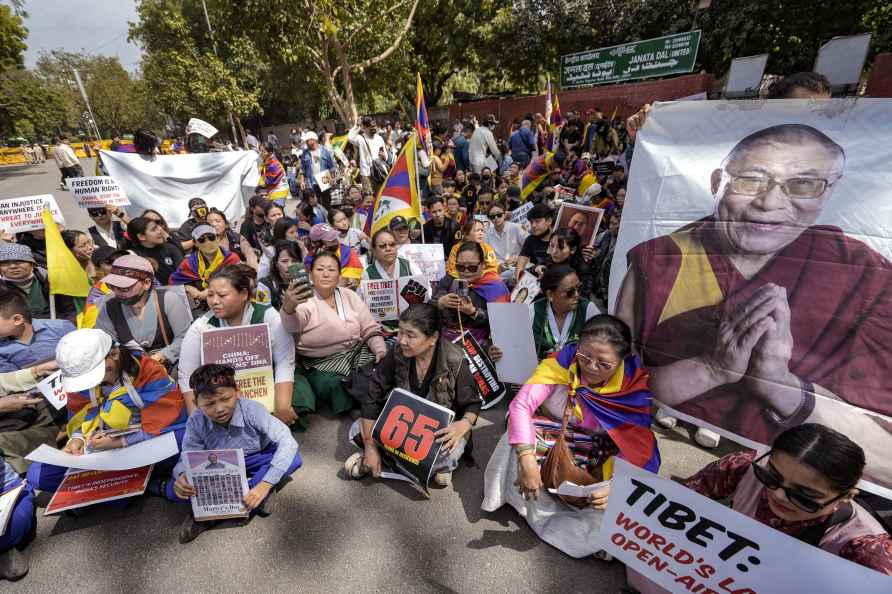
x=559, y=465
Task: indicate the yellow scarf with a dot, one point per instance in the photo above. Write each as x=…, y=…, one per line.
x=204, y=271
x=101, y=410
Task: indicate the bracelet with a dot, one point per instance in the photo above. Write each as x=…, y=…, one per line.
x=524, y=447
x=803, y=411
x=520, y=455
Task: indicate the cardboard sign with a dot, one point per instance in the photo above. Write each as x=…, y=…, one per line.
x=25, y=213
x=248, y=350
x=387, y=299
x=427, y=257
x=405, y=430
x=7, y=504
x=519, y=214
x=220, y=481
x=81, y=488
x=51, y=388
x=196, y=126
x=688, y=543
x=585, y=220
x=96, y=191
x=512, y=330
x=137, y=455
x=526, y=289
x=483, y=370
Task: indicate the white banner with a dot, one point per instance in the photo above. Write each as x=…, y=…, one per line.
x=134, y=456
x=26, y=213
x=688, y=543
x=753, y=263
x=167, y=182
x=196, y=126
x=96, y=191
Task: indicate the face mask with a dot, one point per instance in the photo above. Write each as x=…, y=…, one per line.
x=133, y=300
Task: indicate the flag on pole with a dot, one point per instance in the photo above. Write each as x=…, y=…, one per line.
x=398, y=195
x=422, y=124
x=555, y=121
x=548, y=106
x=66, y=276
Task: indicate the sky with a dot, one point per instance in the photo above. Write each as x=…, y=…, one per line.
x=96, y=27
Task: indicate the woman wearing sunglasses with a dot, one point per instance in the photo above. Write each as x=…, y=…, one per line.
x=803, y=486
x=207, y=257
x=598, y=385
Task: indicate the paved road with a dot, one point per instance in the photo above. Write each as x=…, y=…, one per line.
x=328, y=534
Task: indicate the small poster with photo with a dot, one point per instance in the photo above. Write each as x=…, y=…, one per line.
x=220, y=482
x=526, y=289
x=585, y=220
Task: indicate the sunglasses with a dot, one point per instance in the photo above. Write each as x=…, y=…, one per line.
x=206, y=238
x=96, y=212
x=772, y=481
x=572, y=291
x=467, y=267
x=496, y=215
x=382, y=246
x=593, y=364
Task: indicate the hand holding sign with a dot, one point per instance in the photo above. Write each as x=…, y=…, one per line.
x=51, y=389
x=414, y=292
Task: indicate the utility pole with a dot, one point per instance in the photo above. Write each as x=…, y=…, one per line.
x=80, y=86
x=207, y=19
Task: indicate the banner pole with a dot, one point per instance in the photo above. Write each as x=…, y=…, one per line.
x=420, y=218
x=52, y=306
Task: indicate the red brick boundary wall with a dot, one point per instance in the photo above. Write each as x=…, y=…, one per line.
x=626, y=99
x=879, y=84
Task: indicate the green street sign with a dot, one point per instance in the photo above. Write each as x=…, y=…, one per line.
x=672, y=54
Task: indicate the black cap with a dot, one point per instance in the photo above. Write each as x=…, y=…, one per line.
x=103, y=253
x=398, y=222
x=540, y=211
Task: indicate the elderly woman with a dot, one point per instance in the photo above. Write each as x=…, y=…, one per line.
x=463, y=300
x=335, y=333
x=597, y=389
x=196, y=269
x=229, y=299
x=429, y=366
x=803, y=486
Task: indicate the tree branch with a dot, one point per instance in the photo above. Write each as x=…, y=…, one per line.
x=368, y=22
x=396, y=43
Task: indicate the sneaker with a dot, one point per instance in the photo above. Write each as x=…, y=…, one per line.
x=190, y=529
x=267, y=506
x=443, y=479
x=354, y=467
x=665, y=419
x=706, y=438
x=14, y=565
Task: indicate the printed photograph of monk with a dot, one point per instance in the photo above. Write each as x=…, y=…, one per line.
x=746, y=315
x=585, y=220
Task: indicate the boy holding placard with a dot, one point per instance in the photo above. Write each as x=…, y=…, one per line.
x=225, y=421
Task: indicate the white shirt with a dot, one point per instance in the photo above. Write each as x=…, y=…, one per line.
x=561, y=335
x=482, y=141
x=366, y=147
x=64, y=156
x=413, y=271
x=509, y=242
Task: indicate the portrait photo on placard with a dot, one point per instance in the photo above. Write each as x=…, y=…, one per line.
x=585, y=220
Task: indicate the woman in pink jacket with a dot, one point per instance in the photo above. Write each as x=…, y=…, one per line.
x=334, y=332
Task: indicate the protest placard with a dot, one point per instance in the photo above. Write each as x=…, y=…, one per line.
x=51, y=388
x=427, y=258
x=585, y=220
x=7, y=503
x=96, y=191
x=133, y=456
x=196, y=126
x=688, y=543
x=405, y=429
x=512, y=331
x=248, y=350
x=81, y=488
x=387, y=299
x=25, y=213
x=519, y=214
x=526, y=289
x=686, y=258
x=220, y=483
x=482, y=370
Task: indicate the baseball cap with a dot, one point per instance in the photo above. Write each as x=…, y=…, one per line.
x=323, y=232
x=203, y=229
x=309, y=136
x=81, y=357
x=398, y=222
x=127, y=270
x=104, y=253
x=16, y=252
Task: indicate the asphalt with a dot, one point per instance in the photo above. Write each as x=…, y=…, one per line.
x=327, y=533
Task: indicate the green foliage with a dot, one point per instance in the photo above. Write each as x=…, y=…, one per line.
x=12, y=39
x=28, y=108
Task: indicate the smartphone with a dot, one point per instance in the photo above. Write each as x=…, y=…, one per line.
x=298, y=272
x=461, y=288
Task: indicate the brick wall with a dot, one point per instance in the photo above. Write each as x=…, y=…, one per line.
x=879, y=84
x=625, y=98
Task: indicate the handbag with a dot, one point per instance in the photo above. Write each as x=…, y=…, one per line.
x=356, y=383
x=559, y=465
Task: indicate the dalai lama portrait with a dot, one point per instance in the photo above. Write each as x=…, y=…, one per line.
x=744, y=316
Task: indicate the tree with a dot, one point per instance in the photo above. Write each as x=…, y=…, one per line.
x=28, y=108
x=12, y=39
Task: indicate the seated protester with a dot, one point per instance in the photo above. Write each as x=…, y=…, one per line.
x=196, y=269
x=274, y=284
x=440, y=228
x=102, y=259
x=558, y=319
x=231, y=240
x=140, y=316
x=252, y=227
x=24, y=341
x=198, y=215
x=429, y=366
x=229, y=298
x=399, y=226
x=154, y=215
x=600, y=264
x=505, y=237
x=35, y=240
x=19, y=270
x=272, y=212
x=474, y=231
x=347, y=235
x=20, y=531
x=81, y=246
x=284, y=229
x=335, y=334
x=111, y=388
x=320, y=213
x=803, y=486
x=105, y=231
x=535, y=247
x=564, y=248
x=608, y=416
x=386, y=265
x=26, y=421
x=147, y=239
x=323, y=238
x=454, y=211
x=462, y=301
x=224, y=420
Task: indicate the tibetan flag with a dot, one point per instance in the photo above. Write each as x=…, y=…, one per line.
x=398, y=195
x=555, y=122
x=65, y=273
x=621, y=407
x=535, y=173
x=338, y=143
x=548, y=105
x=422, y=125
